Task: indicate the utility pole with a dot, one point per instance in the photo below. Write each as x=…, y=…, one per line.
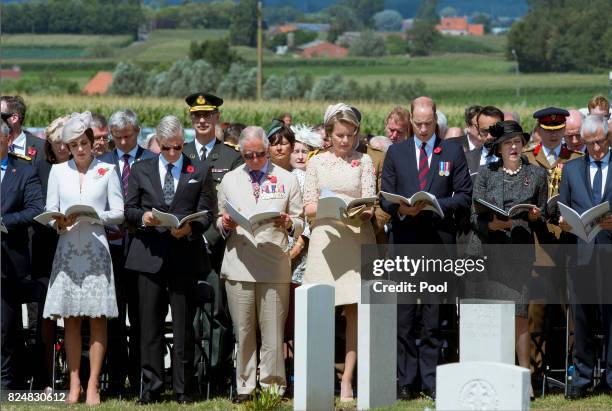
x=259, y=50
x=518, y=88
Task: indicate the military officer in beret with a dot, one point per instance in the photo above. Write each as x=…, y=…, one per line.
x=551, y=154
x=221, y=158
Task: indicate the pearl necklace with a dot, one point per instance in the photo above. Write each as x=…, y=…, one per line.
x=512, y=173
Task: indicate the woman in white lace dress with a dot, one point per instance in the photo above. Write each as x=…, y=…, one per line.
x=81, y=283
x=334, y=253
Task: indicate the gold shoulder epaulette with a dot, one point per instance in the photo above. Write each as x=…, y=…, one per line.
x=530, y=147
x=313, y=153
x=232, y=145
x=21, y=156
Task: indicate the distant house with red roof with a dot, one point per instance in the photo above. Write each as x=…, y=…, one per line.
x=99, y=84
x=459, y=26
x=322, y=49
x=13, y=73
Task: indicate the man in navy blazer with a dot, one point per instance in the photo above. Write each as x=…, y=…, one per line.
x=585, y=183
x=22, y=200
x=124, y=129
x=423, y=162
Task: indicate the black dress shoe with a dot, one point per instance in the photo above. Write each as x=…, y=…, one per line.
x=404, y=393
x=576, y=393
x=147, y=399
x=241, y=398
x=429, y=394
x=183, y=399
x=602, y=389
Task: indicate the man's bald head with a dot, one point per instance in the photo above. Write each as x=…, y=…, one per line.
x=424, y=119
x=572, y=131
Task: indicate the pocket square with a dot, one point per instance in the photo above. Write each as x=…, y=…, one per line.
x=193, y=181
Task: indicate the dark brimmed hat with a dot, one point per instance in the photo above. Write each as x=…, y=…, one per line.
x=274, y=127
x=502, y=131
x=203, y=102
x=551, y=118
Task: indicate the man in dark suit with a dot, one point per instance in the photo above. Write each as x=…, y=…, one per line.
x=22, y=200
x=124, y=130
x=423, y=162
x=168, y=258
x=477, y=154
x=585, y=183
x=221, y=157
x=20, y=141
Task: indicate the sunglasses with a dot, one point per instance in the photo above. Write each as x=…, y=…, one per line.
x=5, y=116
x=177, y=147
x=251, y=156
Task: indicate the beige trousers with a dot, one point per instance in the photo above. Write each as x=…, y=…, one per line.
x=264, y=305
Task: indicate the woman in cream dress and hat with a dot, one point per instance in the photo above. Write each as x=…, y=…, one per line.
x=334, y=252
x=81, y=283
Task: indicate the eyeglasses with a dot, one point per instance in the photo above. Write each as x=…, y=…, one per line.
x=206, y=115
x=177, y=147
x=251, y=156
x=600, y=142
x=5, y=116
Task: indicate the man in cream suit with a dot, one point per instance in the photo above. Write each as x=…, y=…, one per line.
x=256, y=267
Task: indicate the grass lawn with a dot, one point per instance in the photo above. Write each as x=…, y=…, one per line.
x=551, y=402
x=62, y=40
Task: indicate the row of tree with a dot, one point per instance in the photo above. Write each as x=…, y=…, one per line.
x=240, y=83
x=563, y=35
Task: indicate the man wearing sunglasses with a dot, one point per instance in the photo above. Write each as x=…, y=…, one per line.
x=171, y=259
x=482, y=120
x=221, y=158
x=21, y=141
x=256, y=268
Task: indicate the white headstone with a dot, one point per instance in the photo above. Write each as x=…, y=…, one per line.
x=314, y=347
x=482, y=386
x=376, y=352
x=486, y=332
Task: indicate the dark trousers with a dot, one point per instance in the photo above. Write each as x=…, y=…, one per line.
x=123, y=355
x=11, y=332
x=590, y=319
x=412, y=359
x=152, y=296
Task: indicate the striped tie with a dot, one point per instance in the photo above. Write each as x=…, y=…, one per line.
x=423, y=167
x=125, y=173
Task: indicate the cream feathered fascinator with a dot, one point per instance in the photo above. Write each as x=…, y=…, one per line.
x=77, y=124
x=305, y=135
x=333, y=110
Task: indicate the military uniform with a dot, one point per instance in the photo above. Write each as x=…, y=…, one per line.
x=380, y=218
x=547, y=235
x=223, y=157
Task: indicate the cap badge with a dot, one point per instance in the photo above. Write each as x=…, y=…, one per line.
x=200, y=100
x=553, y=117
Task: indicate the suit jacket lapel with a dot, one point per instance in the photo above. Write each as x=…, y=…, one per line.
x=8, y=180
x=411, y=164
x=189, y=150
x=116, y=161
x=608, y=186
x=586, y=178
x=541, y=158
x=156, y=180
x=434, y=166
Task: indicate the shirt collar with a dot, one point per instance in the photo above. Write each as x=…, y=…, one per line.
x=428, y=146
x=20, y=141
x=132, y=152
x=547, y=150
x=207, y=147
x=178, y=164
x=264, y=169
x=604, y=161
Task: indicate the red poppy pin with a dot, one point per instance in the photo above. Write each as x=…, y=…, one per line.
x=272, y=179
x=565, y=153
x=190, y=169
x=437, y=150
x=102, y=171
x=355, y=163
x=537, y=149
x=32, y=151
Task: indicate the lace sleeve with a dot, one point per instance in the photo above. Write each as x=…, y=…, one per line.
x=368, y=177
x=311, y=182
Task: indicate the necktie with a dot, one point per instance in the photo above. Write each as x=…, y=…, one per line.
x=552, y=157
x=255, y=176
x=169, y=186
x=202, y=153
x=597, y=183
x=125, y=173
x=423, y=167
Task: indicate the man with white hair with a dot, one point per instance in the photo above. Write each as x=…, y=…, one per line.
x=572, y=137
x=256, y=268
x=121, y=358
x=586, y=183
x=168, y=258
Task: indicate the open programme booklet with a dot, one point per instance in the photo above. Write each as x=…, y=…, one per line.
x=330, y=205
x=170, y=220
x=484, y=207
x=250, y=222
x=585, y=225
x=423, y=196
x=82, y=212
